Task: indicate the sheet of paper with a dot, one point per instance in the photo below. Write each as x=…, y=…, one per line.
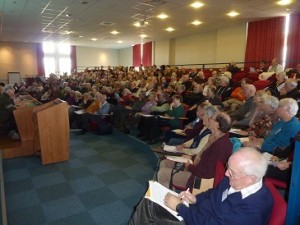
x=239, y=131
x=179, y=159
x=81, y=111
x=169, y=148
x=179, y=131
x=156, y=193
x=244, y=139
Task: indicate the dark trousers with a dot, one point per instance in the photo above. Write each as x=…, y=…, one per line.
x=148, y=212
x=87, y=117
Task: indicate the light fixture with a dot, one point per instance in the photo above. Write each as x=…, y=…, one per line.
x=233, y=14
x=143, y=35
x=162, y=16
x=284, y=2
x=196, y=22
x=170, y=29
x=94, y=39
x=114, y=32
x=137, y=24
x=68, y=15
x=120, y=41
x=197, y=5
x=80, y=36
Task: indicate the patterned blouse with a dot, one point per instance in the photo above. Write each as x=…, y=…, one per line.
x=262, y=127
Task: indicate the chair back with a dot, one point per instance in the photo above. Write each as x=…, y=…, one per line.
x=219, y=173
x=279, y=208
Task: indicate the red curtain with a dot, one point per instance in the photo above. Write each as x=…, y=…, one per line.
x=40, y=60
x=265, y=40
x=293, y=42
x=73, y=58
x=136, y=55
x=147, y=54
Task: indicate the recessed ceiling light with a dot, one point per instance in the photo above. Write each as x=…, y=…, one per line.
x=143, y=35
x=197, y=5
x=68, y=15
x=284, y=2
x=80, y=36
x=137, y=24
x=170, y=29
x=233, y=14
x=114, y=32
x=162, y=16
x=120, y=41
x=94, y=39
x=196, y=22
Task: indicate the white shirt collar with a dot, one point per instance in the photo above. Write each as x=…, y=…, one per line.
x=245, y=192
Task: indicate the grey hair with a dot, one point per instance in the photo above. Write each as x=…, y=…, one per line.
x=270, y=100
x=290, y=104
x=252, y=162
x=224, y=78
x=8, y=87
x=211, y=111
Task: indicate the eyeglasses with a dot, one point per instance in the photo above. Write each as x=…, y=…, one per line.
x=231, y=172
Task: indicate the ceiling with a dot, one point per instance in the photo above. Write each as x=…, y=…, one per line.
x=77, y=21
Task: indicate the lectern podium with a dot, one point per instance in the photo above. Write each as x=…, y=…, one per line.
x=43, y=128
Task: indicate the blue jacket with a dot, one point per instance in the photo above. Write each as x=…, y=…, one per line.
x=281, y=134
x=210, y=210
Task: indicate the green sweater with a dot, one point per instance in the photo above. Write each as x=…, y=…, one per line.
x=176, y=113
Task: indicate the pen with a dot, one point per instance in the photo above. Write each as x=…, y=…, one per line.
x=187, y=190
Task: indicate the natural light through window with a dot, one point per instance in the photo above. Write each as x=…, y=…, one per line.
x=57, y=58
x=286, y=34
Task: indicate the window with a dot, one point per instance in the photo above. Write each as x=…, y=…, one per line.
x=57, y=58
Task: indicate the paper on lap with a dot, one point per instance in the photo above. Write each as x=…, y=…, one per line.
x=179, y=159
x=156, y=193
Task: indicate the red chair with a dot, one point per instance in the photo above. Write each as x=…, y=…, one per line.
x=277, y=183
x=279, y=208
x=261, y=84
x=219, y=173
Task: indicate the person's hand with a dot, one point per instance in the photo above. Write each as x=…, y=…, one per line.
x=187, y=197
x=172, y=201
x=274, y=159
x=188, y=127
x=283, y=165
x=179, y=147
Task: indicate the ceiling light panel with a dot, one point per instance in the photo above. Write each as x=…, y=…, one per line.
x=233, y=14
x=284, y=2
x=197, y=5
x=162, y=16
x=170, y=29
x=196, y=22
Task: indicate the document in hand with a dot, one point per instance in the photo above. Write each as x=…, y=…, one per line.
x=169, y=148
x=156, y=193
x=179, y=159
x=179, y=132
x=79, y=112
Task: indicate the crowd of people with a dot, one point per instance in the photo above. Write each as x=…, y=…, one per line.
x=158, y=101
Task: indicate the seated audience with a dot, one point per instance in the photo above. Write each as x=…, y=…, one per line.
x=223, y=89
x=286, y=128
x=7, y=106
x=278, y=84
x=249, y=92
x=275, y=66
x=262, y=127
x=290, y=90
x=217, y=148
x=237, y=97
x=240, y=198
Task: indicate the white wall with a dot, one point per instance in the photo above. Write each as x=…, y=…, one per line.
x=198, y=48
x=125, y=56
x=161, y=52
x=222, y=45
x=18, y=57
x=231, y=44
x=90, y=57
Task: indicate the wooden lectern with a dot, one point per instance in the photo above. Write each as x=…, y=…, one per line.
x=43, y=128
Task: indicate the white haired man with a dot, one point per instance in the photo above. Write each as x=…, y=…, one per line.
x=240, y=198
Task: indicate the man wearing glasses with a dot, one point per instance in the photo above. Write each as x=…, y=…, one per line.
x=240, y=198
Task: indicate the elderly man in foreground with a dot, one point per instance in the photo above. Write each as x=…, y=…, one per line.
x=240, y=198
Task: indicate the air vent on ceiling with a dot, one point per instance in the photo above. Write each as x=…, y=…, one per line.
x=107, y=23
x=155, y=2
x=109, y=38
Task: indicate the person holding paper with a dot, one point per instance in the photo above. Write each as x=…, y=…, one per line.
x=217, y=148
x=240, y=198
